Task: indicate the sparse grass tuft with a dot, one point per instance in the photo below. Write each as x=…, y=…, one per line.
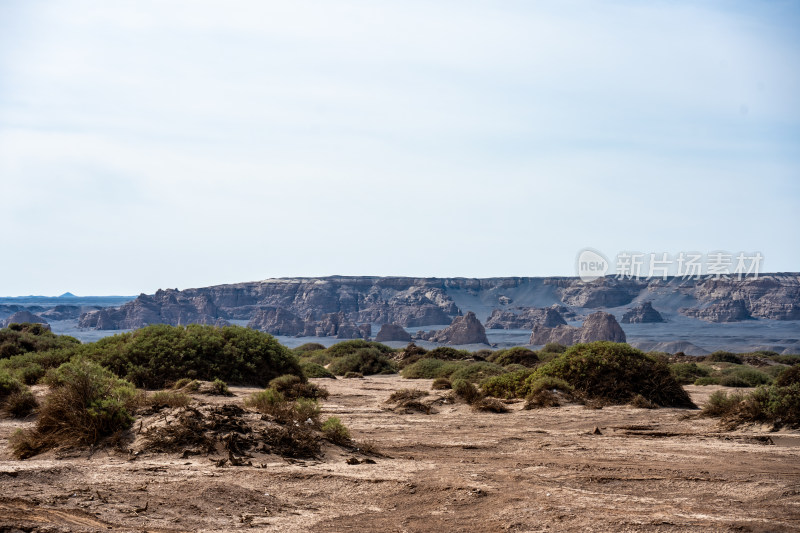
x=406, y=394
x=441, y=384
x=491, y=405
x=335, y=431
x=466, y=391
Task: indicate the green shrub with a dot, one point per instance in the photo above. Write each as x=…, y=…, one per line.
x=511, y=385
x=431, y=369
x=724, y=357
x=24, y=338
x=351, y=347
x=550, y=383
x=8, y=384
x=220, y=388
x=30, y=367
x=792, y=359
x=86, y=403
x=447, y=353
x=153, y=356
x=477, y=372
x=335, y=431
x=308, y=347
x=553, y=347
x=515, y=356
x=321, y=358
x=686, y=373
x=615, y=373
x=441, y=384
x=265, y=401
x=293, y=387
x=706, y=381
x=789, y=376
x=313, y=370
x=466, y=391
x=544, y=392
x=779, y=406
x=353, y=375
x=366, y=361
x=743, y=376
x=307, y=409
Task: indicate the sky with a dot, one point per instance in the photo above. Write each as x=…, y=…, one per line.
x=154, y=144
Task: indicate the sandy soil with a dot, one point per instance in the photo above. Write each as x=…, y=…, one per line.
x=453, y=470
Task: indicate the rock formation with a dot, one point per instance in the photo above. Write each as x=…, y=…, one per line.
x=729, y=311
x=21, y=317
x=524, y=318
x=66, y=312
x=277, y=321
x=465, y=329
x=392, y=332
x=642, y=314
x=598, y=326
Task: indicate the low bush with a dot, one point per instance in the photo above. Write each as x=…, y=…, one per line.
x=155, y=355
x=614, y=373
x=86, y=403
x=550, y=383
x=686, y=373
x=220, y=388
x=490, y=405
x=314, y=370
x=8, y=385
x=640, y=402
x=441, y=384
x=353, y=346
x=30, y=367
x=789, y=376
x=477, y=372
x=293, y=387
x=553, y=347
x=308, y=347
x=779, y=406
x=743, y=376
x=335, y=431
x=24, y=338
x=406, y=394
x=353, y=375
x=515, y=356
x=466, y=391
x=366, y=361
x=721, y=356
x=707, y=381
x=446, y=353
x=431, y=369
x=547, y=391
x=792, y=359
x=162, y=399
x=510, y=385
x=19, y=404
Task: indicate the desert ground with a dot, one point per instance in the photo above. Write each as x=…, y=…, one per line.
x=569, y=468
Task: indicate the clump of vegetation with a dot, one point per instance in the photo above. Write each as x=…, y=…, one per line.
x=366, y=361
x=164, y=399
x=314, y=370
x=308, y=347
x=466, y=391
x=406, y=394
x=24, y=338
x=515, y=356
x=776, y=405
x=341, y=349
x=640, y=402
x=554, y=347
x=721, y=356
x=446, y=353
x=602, y=371
x=441, y=384
x=789, y=376
x=430, y=369
x=687, y=373
x=548, y=391
x=266, y=401
x=742, y=376
x=86, y=404
x=335, y=431
x=293, y=387
x=510, y=385
x=477, y=372
x=19, y=404
x=155, y=355
x=30, y=367
x=410, y=354
x=491, y=405
x=220, y=388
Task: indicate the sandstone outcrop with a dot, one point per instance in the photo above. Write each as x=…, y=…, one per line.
x=729, y=311
x=642, y=314
x=392, y=332
x=465, y=329
x=277, y=321
x=524, y=318
x=598, y=326
x=21, y=317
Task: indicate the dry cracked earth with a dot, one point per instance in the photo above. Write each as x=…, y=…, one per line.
x=452, y=470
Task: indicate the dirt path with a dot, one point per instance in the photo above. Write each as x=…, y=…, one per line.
x=454, y=470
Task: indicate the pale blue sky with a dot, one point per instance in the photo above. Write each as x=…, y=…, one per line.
x=180, y=144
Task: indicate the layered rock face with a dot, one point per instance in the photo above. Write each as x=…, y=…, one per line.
x=598, y=326
x=415, y=302
x=524, y=318
x=729, y=311
x=279, y=321
x=465, y=329
x=66, y=312
x=392, y=332
x=642, y=314
x=21, y=317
